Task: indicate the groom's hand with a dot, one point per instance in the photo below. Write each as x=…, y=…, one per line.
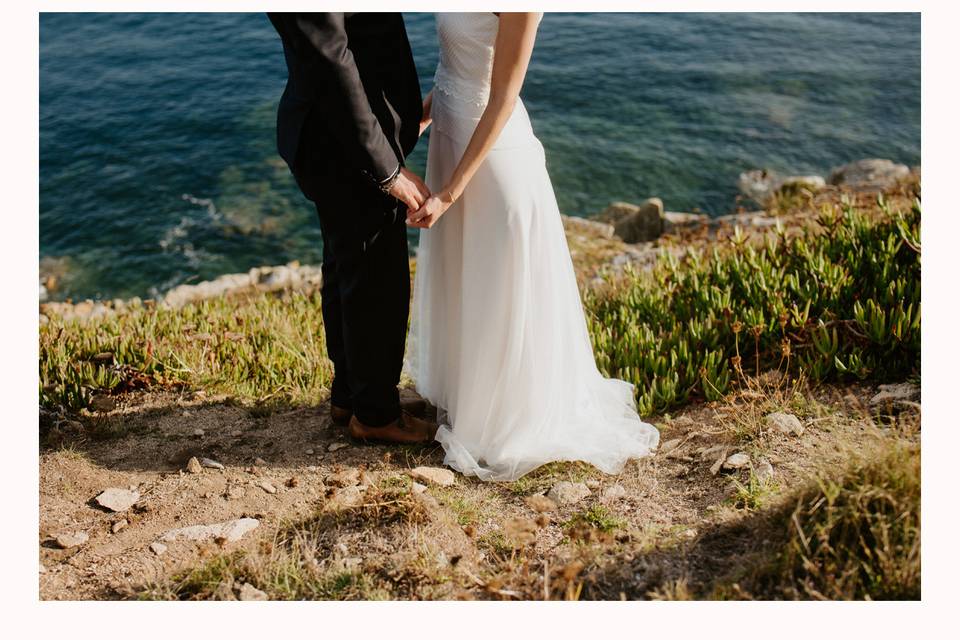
x=409, y=189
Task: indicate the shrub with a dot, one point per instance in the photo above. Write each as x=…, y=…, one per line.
x=841, y=300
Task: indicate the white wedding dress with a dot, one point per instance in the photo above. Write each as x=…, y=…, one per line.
x=498, y=339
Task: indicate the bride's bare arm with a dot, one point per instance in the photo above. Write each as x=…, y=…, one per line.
x=514, y=44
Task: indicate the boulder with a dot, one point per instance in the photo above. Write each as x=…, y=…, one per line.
x=635, y=223
x=587, y=227
x=761, y=185
x=872, y=174
x=674, y=221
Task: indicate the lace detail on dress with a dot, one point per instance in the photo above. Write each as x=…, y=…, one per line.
x=448, y=85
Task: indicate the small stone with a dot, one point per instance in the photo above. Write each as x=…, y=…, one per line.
x=418, y=488
x=158, y=548
x=210, y=464
x=433, y=475
x=738, y=460
x=249, y=593
x=346, y=478
x=118, y=526
x=763, y=470
x=670, y=445
x=540, y=504
x=194, y=466
x=117, y=500
x=234, y=492
x=103, y=404
x=568, y=492
x=613, y=493
x=785, y=423
x=336, y=446
x=259, y=462
x=198, y=433
x=344, y=498
x=895, y=393
x=309, y=452
x=229, y=531
x=71, y=540
x=266, y=486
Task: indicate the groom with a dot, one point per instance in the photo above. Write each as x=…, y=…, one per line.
x=348, y=117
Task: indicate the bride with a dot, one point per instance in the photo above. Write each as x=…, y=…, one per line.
x=498, y=339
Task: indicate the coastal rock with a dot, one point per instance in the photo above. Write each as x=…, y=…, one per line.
x=785, y=423
x=568, y=492
x=433, y=475
x=872, y=174
x=69, y=540
x=756, y=219
x=761, y=185
x=117, y=500
x=674, y=221
x=587, y=227
x=230, y=531
x=635, y=223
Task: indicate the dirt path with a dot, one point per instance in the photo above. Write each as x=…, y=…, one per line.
x=634, y=533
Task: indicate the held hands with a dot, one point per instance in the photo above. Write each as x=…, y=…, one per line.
x=409, y=189
x=431, y=210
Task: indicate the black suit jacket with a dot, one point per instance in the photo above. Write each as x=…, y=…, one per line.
x=352, y=103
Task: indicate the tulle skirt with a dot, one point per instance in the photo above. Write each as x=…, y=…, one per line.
x=498, y=339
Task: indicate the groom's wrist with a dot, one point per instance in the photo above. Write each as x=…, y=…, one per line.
x=387, y=183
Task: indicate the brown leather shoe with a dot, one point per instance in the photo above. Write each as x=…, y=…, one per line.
x=407, y=429
x=415, y=406
x=339, y=415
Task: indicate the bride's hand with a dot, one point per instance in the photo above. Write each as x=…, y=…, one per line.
x=426, y=118
x=431, y=210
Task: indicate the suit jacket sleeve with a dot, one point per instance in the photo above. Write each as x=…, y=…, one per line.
x=345, y=106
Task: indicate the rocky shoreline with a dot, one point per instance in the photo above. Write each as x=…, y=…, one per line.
x=620, y=235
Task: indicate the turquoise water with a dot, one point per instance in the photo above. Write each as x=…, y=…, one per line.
x=157, y=157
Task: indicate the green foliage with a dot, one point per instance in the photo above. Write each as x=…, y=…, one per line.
x=259, y=348
x=841, y=300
